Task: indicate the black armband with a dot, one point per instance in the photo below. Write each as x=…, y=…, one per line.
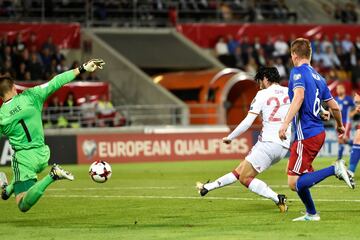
x=81, y=68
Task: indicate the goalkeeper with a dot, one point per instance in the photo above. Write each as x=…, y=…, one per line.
x=21, y=123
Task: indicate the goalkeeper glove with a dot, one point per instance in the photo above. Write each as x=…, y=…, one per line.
x=92, y=65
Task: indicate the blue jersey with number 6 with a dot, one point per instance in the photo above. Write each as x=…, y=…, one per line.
x=307, y=122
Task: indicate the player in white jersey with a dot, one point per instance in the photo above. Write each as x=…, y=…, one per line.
x=272, y=103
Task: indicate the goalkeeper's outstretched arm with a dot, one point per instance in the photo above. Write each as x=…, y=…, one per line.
x=45, y=90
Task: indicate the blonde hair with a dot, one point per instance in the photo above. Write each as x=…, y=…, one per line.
x=301, y=47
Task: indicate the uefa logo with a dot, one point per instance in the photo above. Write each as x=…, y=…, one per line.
x=89, y=148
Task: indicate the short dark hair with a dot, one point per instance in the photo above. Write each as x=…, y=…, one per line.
x=6, y=84
x=301, y=47
x=271, y=73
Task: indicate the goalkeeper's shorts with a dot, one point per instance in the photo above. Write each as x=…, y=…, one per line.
x=26, y=164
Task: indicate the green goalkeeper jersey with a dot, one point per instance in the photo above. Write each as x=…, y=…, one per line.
x=21, y=116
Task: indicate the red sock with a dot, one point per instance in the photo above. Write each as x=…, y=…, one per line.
x=235, y=174
x=247, y=183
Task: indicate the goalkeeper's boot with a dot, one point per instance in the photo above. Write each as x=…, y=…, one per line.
x=201, y=189
x=282, y=203
x=3, y=185
x=342, y=173
x=57, y=173
x=308, y=217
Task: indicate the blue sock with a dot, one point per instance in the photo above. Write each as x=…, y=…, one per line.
x=306, y=198
x=341, y=151
x=354, y=157
x=308, y=180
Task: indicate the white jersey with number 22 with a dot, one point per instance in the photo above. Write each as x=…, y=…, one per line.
x=272, y=104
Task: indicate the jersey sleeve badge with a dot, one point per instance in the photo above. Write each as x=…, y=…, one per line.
x=297, y=76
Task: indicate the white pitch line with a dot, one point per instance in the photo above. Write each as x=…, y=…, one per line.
x=170, y=188
x=110, y=188
x=316, y=186
x=191, y=198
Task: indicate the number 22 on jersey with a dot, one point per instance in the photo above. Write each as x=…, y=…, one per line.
x=276, y=108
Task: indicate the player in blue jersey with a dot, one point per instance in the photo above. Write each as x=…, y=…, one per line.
x=307, y=89
x=346, y=105
x=355, y=150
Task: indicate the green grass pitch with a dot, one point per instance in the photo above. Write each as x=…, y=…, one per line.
x=159, y=201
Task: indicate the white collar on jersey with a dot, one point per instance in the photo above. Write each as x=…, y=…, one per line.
x=8, y=101
x=273, y=85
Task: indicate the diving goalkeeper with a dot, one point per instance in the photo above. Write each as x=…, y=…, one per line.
x=21, y=123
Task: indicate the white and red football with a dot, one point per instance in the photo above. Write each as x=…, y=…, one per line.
x=100, y=171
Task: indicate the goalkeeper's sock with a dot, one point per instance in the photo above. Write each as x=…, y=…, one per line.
x=261, y=188
x=227, y=179
x=34, y=193
x=10, y=188
x=341, y=151
x=354, y=157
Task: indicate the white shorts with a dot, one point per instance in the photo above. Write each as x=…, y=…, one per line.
x=265, y=154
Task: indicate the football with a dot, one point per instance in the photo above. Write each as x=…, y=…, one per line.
x=100, y=171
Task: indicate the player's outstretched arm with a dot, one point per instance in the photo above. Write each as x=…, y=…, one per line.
x=241, y=128
x=45, y=90
x=293, y=110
